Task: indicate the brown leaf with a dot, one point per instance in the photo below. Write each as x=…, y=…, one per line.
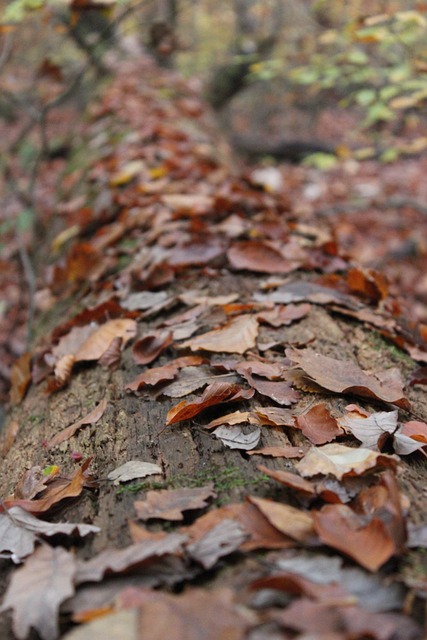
x=367, y=283
x=89, y=342
x=8, y=436
x=169, y=504
x=279, y=452
x=194, y=615
x=215, y=393
x=341, y=528
x=20, y=378
x=151, y=346
x=279, y=391
x=166, y=372
x=318, y=425
x=302, y=290
x=19, y=531
x=130, y=558
x=37, y=590
x=219, y=541
x=370, y=429
x=196, y=253
x=294, y=523
x=237, y=336
x=270, y=370
x=259, y=256
x=110, y=359
x=33, y=481
x=261, y=534
x=275, y=416
x=236, y=417
x=339, y=460
x=192, y=378
x=289, y=480
x=92, y=417
x=237, y=438
x=284, y=315
x=58, y=490
x=346, y=377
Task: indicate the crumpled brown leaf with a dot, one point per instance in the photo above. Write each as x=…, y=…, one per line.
x=215, y=393
x=369, y=543
x=318, y=425
x=130, y=558
x=37, y=589
x=339, y=460
x=19, y=531
x=169, y=504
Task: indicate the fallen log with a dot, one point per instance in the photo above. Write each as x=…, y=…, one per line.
x=197, y=334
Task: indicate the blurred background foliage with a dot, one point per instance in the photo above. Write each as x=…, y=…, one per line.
x=334, y=74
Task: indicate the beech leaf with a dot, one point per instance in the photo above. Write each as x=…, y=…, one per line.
x=237, y=336
x=169, y=504
x=344, y=376
x=369, y=543
x=236, y=438
x=19, y=530
x=215, y=393
x=37, y=590
x=133, y=469
x=339, y=460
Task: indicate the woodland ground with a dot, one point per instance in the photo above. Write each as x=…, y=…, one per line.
x=170, y=231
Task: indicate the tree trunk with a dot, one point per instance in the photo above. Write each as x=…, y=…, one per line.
x=166, y=211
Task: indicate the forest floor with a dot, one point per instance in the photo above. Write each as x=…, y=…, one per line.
x=172, y=280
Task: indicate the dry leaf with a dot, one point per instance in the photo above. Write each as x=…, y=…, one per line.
x=151, y=346
x=89, y=343
x=280, y=452
x=215, y=393
x=92, y=417
x=339, y=460
x=37, y=590
x=279, y=391
x=261, y=534
x=192, y=378
x=219, y=541
x=237, y=336
x=236, y=438
x=294, y=523
x=346, y=377
x=20, y=378
x=259, y=256
x=59, y=489
x=169, y=504
x=284, y=315
x=133, y=469
x=112, y=355
x=290, y=480
x=370, y=429
x=130, y=558
x=19, y=531
x=318, y=425
x=369, y=544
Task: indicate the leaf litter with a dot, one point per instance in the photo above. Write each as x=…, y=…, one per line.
x=348, y=500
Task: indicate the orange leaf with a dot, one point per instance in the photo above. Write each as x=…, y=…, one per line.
x=215, y=393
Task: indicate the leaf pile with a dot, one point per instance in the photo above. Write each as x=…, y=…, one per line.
x=202, y=297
